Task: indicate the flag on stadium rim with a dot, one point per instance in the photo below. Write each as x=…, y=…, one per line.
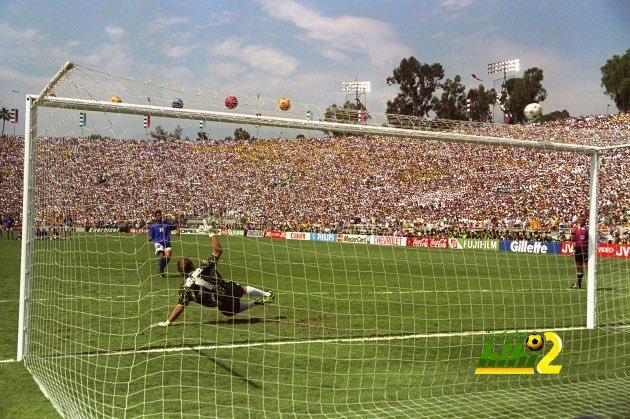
x=475, y=77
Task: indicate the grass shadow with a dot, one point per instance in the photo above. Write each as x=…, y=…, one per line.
x=243, y=320
x=233, y=372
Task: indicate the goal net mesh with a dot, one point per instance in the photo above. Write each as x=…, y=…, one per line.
x=392, y=259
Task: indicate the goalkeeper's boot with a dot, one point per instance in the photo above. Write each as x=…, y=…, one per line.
x=268, y=299
x=576, y=286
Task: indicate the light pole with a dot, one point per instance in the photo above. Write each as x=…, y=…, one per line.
x=359, y=88
x=494, y=86
x=504, y=67
x=17, y=99
x=608, y=109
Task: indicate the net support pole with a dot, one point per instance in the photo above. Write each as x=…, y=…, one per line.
x=591, y=285
x=28, y=217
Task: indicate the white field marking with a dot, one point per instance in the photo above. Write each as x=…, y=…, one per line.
x=6, y=361
x=309, y=341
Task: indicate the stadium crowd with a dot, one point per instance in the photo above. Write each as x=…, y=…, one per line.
x=341, y=184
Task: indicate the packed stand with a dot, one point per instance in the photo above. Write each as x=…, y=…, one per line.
x=368, y=184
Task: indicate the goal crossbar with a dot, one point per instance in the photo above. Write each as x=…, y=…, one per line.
x=273, y=121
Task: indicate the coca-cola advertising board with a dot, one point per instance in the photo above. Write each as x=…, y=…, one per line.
x=428, y=242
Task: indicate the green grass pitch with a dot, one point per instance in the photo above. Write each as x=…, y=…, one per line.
x=356, y=330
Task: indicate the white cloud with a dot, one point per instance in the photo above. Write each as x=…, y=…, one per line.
x=162, y=21
x=257, y=56
x=215, y=19
x=226, y=70
x=181, y=37
x=114, y=31
x=438, y=35
x=179, y=51
x=333, y=54
x=74, y=43
x=30, y=47
x=176, y=45
x=114, y=57
x=9, y=33
x=344, y=34
x=455, y=4
x=32, y=82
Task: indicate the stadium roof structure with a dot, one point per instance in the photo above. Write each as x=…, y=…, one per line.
x=70, y=89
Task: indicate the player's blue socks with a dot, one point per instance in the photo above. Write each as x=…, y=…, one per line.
x=161, y=265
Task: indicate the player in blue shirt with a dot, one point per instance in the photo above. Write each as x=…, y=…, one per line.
x=160, y=234
x=8, y=222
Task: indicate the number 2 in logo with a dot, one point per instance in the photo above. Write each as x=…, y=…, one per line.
x=543, y=366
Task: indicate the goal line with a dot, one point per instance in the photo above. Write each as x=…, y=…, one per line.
x=389, y=338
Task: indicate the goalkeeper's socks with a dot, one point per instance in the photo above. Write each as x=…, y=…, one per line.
x=161, y=265
x=246, y=305
x=580, y=275
x=255, y=292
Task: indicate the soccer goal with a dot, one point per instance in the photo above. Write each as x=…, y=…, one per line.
x=402, y=252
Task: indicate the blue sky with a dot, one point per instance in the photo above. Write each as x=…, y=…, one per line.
x=304, y=50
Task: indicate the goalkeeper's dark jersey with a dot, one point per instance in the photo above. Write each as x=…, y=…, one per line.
x=201, y=286
x=207, y=287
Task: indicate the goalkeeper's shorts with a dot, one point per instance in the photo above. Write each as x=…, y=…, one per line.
x=229, y=295
x=581, y=254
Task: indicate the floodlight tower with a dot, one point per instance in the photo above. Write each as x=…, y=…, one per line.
x=504, y=67
x=359, y=88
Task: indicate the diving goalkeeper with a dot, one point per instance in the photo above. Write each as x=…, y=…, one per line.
x=205, y=286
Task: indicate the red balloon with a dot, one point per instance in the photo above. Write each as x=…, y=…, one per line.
x=231, y=102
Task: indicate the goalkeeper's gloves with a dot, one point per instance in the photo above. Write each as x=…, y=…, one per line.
x=161, y=324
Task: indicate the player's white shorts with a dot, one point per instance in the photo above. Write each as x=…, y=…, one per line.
x=160, y=248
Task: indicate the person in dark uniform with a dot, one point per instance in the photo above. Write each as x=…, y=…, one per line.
x=580, y=238
x=207, y=287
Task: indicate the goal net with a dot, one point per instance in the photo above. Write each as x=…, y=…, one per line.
x=402, y=253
